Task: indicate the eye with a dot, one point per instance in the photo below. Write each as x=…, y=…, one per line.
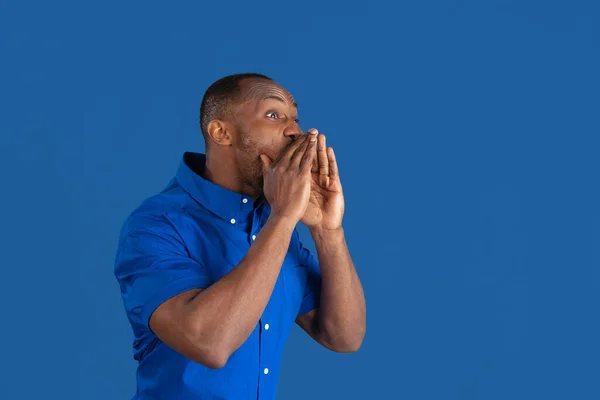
x=272, y=114
x=297, y=121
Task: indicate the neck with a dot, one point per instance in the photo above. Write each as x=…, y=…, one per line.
x=225, y=172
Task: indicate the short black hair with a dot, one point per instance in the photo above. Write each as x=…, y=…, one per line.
x=219, y=96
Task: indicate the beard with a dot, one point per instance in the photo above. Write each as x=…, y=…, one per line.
x=250, y=164
x=249, y=161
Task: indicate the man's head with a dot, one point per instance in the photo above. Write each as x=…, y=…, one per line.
x=245, y=115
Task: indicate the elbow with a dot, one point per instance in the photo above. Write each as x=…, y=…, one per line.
x=210, y=350
x=214, y=361
x=347, y=346
x=344, y=343
x=212, y=357
x=352, y=347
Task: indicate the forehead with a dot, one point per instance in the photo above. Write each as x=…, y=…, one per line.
x=257, y=90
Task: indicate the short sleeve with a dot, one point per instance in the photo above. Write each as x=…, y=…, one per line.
x=312, y=290
x=152, y=266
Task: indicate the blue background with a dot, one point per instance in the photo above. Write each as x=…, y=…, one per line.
x=467, y=138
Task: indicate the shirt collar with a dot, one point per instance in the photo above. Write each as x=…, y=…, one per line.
x=217, y=199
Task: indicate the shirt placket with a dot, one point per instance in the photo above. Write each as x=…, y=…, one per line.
x=266, y=330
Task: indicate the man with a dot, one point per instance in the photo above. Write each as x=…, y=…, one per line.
x=212, y=272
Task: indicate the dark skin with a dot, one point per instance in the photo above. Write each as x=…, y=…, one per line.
x=260, y=150
x=265, y=121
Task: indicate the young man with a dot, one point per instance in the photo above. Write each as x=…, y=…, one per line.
x=212, y=272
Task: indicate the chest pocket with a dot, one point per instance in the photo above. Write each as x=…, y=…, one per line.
x=294, y=276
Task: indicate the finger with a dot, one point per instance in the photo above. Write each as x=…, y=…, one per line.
x=289, y=152
x=315, y=163
x=299, y=154
x=309, y=156
x=322, y=156
x=323, y=162
x=266, y=161
x=333, y=167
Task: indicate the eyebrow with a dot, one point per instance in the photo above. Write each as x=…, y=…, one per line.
x=279, y=99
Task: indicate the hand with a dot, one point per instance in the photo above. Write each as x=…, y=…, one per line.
x=287, y=181
x=326, y=202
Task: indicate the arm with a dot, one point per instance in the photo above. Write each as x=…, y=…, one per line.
x=207, y=325
x=339, y=323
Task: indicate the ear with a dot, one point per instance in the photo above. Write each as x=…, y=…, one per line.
x=219, y=132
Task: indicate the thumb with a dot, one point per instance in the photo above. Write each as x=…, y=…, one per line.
x=266, y=161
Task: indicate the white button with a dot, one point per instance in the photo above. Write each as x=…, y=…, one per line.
x=266, y=371
x=232, y=220
x=253, y=237
x=267, y=327
x=244, y=200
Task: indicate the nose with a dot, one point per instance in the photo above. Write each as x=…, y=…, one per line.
x=292, y=131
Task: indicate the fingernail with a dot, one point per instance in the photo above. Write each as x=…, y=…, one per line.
x=313, y=131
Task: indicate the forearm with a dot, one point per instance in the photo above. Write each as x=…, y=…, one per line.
x=342, y=311
x=228, y=311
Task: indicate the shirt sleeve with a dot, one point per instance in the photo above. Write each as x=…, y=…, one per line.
x=152, y=266
x=312, y=290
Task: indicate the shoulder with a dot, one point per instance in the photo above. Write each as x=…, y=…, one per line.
x=149, y=235
x=166, y=210
x=158, y=219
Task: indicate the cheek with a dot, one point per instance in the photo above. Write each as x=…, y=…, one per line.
x=253, y=145
x=264, y=138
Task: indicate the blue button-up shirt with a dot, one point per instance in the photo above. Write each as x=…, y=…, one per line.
x=189, y=236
